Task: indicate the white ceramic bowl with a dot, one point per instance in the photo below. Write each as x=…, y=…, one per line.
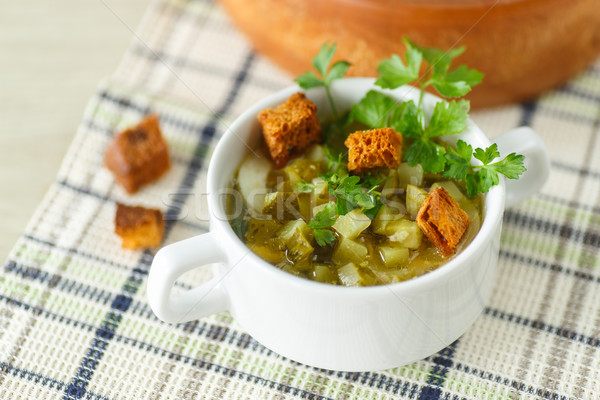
x=327, y=326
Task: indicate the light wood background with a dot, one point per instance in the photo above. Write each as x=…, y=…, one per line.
x=53, y=54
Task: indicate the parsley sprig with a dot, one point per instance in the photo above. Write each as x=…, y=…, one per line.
x=393, y=73
x=480, y=178
x=347, y=193
x=328, y=74
x=377, y=110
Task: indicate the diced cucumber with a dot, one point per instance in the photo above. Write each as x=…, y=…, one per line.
x=297, y=237
x=352, y=224
x=351, y=275
x=261, y=230
x=408, y=175
x=316, y=153
x=405, y=233
x=324, y=273
x=390, y=186
x=384, y=216
x=321, y=192
x=415, y=196
x=282, y=206
x=394, y=257
x=268, y=253
x=302, y=169
x=347, y=251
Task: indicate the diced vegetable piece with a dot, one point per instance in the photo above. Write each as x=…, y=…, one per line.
x=394, y=257
x=252, y=178
x=347, y=251
x=261, y=230
x=352, y=224
x=408, y=175
x=324, y=273
x=415, y=197
x=401, y=274
x=305, y=205
x=282, y=205
x=297, y=237
x=451, y=188
x=320, y=192
x=291, y=268
x=390, y=186
x=405, y=233
x=472, y=211
x=297, y=227
x=384, y=216
x=351, y=275
x=268, y=253
x=302, y=169
x=316, y=153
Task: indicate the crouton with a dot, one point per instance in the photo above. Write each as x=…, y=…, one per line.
x=290, y=128
x=442, y=220
x=375, y=148
x=138, y=155
x=139, y=227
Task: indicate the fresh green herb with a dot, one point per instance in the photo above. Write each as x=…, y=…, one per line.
x=377, y=110
x=328, y=74
x=323, y=220
x=480, y=178
x=393, y=73
x=304, y=187
x=349, y=192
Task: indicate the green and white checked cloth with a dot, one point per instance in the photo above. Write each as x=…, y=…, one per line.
x=74, y=321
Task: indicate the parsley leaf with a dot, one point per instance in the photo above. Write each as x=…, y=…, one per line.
x=309, y=80
x=448, y=118
x=393, y=73
x=323, y=236
x=323, y=220
x=427, y=153
x=374, y=109
x=458, y=161
x=304, y=187
x=321, y=63
x=458, y=82
x=480, y=178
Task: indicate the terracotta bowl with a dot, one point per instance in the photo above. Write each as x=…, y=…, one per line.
x=523, y=46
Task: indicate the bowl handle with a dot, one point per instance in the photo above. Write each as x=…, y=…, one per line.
x=527, y=142
x=170, y=263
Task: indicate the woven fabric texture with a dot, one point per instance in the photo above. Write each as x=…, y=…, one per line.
x=74, y=320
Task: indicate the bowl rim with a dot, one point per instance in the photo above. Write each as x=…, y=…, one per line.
x=493, y=200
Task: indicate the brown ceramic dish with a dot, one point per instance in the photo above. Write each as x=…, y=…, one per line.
x=523, y=46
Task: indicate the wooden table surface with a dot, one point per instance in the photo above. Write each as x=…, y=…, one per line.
x=54, y=54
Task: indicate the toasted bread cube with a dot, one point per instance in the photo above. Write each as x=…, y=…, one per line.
x=138, y=155
x=139, y=227
x=442, y=220
x=290, y=128
x=374, y=148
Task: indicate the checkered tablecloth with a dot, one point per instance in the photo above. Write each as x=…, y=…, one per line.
x=74, y=320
